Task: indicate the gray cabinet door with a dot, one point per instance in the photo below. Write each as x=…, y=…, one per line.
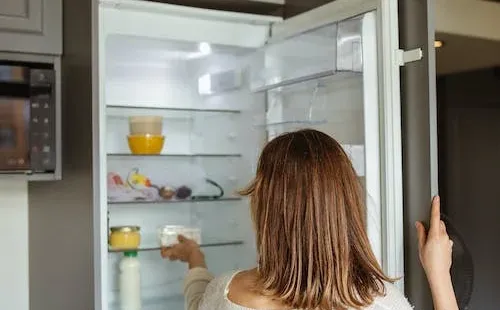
x=419, y=135
x=31, y=26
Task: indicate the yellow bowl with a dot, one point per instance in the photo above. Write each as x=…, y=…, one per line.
x=146, y=144
x=125, y=237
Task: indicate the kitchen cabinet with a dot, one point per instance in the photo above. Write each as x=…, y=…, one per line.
x=261, y=7
x=222, y=94
x=270, y=1
x=31, y=26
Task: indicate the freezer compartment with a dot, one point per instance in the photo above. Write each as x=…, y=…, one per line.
x=314, y=54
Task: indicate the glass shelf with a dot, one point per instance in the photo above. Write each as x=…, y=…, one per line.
x=205, y=245
x=172, y=155
x=173, y=201
x=159, y=303
x=173, y=109
x=305, y=122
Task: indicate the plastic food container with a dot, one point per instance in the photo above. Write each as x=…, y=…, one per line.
x=125, y=237
x=167, y=235
x=145, y=125
x=145, y=144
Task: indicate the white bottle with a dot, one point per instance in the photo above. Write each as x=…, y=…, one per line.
x=130, y=282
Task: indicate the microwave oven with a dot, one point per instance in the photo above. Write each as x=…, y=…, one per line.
x=27, y=118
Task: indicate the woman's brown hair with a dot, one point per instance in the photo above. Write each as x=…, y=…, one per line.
x=308, y=209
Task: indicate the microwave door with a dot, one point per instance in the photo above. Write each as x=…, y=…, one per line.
x=14, y=134
x=27, y=118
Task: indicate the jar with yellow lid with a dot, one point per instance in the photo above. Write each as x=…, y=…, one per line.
x=125, y=237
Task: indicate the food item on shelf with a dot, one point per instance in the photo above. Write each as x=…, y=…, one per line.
x=137, y=180
x=145, y=125
x=114, y=179
x=125, y=237
x=166, y=192
x=146, y=144
x=167, y=235
x=183, y=192
x=118, y=190
x=205, y=196
x=130, y=281
x=142, y=184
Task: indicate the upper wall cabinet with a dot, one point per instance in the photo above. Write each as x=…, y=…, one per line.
x=270, y=1
x=31, y=26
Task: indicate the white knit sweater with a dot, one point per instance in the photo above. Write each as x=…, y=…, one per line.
x=203, y=292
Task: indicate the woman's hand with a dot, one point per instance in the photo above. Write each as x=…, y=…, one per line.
x=187, y=251
x=435, y=249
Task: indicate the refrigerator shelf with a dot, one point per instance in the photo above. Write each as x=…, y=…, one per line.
x=135, y=202
x=172, y=109
x=205, y=245
x=172, y=155
x=305, y=122
x=158, y=303
x=277, y=83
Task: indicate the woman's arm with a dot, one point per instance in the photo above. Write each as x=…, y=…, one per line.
x=195, y=285
x=198, y=277
x=435, y=249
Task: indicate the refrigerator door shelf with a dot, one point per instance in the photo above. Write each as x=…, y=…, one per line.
x=303, y=57
x=321, y=52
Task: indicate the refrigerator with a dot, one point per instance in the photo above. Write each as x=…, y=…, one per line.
x=224, y=84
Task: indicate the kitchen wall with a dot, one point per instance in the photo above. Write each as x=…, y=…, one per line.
x=14, y=290
x=60, y=213
x=469, y=131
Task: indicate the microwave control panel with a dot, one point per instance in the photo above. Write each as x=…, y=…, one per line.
x=42, y=121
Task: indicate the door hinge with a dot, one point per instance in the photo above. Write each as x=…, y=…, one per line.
x=405, y=57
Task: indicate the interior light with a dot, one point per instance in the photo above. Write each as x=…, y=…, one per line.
x=205, y=48
x=438, y=44
x=205, y=85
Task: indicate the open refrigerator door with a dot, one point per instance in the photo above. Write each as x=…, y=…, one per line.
x=326, y=78
x=219, y=94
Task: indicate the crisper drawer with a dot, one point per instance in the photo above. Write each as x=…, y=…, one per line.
x=313, y=54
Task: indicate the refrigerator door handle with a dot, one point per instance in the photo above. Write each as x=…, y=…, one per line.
x=404, y=57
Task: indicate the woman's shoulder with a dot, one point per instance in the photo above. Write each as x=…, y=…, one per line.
x=393, y=299
x=221, y=282
x=215, y=294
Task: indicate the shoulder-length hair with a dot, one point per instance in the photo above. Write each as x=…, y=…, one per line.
x=308, y=209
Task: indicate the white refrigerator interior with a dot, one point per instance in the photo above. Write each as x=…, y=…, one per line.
x=223, y=88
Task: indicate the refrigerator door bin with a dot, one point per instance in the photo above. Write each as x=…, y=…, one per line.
x=311, y=55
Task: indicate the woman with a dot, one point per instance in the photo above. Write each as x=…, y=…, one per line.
x=313, y=252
